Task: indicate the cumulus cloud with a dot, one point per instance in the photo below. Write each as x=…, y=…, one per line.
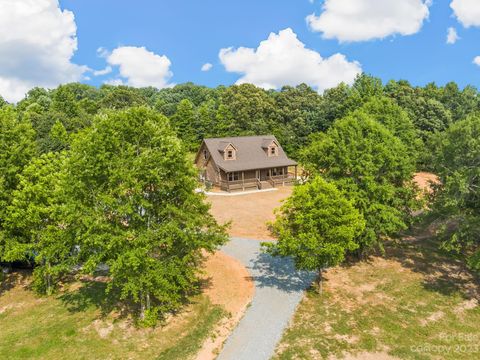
x=207, y=67
x=37, y=42
x=467, y=12
x=282, y=59
x=476, y=61
x=362, y=20
x=452, y=36
x=139, y=67
x=105, y=71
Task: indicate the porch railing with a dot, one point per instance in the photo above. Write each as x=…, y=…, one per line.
x=252, y=183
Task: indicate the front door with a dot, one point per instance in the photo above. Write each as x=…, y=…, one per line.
x=263, y=175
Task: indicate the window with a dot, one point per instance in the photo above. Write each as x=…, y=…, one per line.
x=229, y=152
x=272, y=151
x=277, y=171
x=233, y=176
x=205, y=154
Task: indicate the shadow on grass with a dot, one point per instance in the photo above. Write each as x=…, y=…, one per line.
x=10, y=280
x=419, y=250
x=91, y=294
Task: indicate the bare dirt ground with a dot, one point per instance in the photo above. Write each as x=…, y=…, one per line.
x=249, y=213
x=424, y=180
x=228, y=284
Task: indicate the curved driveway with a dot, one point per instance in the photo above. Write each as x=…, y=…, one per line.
x=278, y=290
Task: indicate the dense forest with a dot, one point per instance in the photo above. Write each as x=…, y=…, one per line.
x=96, y=176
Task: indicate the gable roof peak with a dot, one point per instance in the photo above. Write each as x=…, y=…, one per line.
x=267, y=142
x=222, y=145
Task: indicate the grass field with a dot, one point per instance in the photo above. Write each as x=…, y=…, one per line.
x=73, y=325
x=413, y=304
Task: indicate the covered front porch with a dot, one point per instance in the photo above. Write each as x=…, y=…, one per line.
x=258, y=179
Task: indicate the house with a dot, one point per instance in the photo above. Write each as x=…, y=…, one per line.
x=245, y=162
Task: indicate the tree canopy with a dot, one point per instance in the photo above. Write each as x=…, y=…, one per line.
x=371, y=167
x=316, y=226
x=457, y=160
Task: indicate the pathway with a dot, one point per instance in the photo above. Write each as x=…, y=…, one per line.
x=278, y=290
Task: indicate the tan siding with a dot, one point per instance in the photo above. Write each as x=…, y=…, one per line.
x=223, y=175
x=200, y=157
x=211, y=172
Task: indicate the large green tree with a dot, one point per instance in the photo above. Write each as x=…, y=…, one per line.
x=316, y=226
x=17, y=148
x=395, y=119
x=457, y=198
x=132, y=189
x=36, y=225
x=184, y=121
x=252, y=108
x=372, y=168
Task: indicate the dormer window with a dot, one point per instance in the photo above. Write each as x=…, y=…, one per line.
x=270, y=146
x=273, y=150
x=229, y=151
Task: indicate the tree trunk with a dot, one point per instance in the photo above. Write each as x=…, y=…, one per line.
x=142, y=307
x=148, y=301
x=48, y=279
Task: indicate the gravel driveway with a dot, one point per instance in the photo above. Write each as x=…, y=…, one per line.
x=278, y=290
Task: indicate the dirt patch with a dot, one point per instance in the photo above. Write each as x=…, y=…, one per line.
x=249, y=213
x=437, y=315
x=368, y=356
x=424, y=181
x=466, y=305
x=339, y=282
x=230, y=286
x=101, y=327
x=350, y=339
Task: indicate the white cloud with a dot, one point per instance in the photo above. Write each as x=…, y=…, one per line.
x=467, y=12
x=207, y=67
x=140, y=67
x=476, y=61
x=37, y=42
x=105, y=71
x=282, y=59
x=102, y=52
x=115, y=82
x=362, y=20
x=452, y=36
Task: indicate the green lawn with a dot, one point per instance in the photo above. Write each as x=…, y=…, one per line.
x=73, y=325
x=413, y=304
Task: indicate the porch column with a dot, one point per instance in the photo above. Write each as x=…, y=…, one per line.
x=243, y=180
x=295, y=172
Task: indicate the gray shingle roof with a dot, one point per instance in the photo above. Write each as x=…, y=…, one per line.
x=250, y=153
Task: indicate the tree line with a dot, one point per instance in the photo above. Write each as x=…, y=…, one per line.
x=291, y=114
x=92, y=176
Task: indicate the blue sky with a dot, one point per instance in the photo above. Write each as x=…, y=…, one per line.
x=161, y=43
x=191, y=33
